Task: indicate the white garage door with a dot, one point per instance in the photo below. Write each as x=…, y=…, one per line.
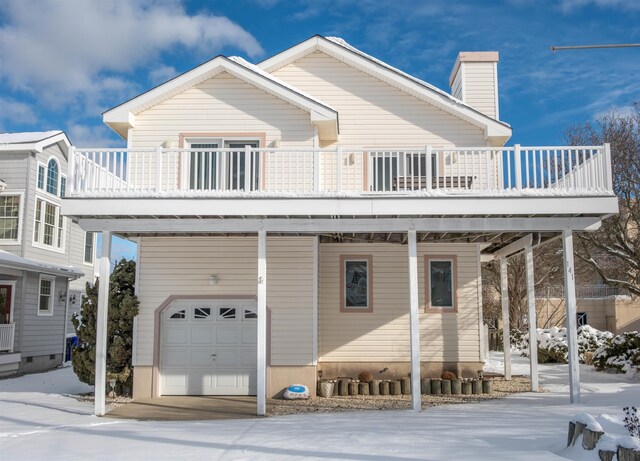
x=208, y=347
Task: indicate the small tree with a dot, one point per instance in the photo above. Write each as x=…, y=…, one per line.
x=123, y=307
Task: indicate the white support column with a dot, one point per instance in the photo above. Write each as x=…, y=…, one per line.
x=572, y=327
x=262, y=323
x=414, y=322
x=506, y=343
x=101, y=325
x=533, y=333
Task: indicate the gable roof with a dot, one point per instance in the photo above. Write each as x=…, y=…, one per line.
x=122, y=117
x=34, y=141
x=498, y=132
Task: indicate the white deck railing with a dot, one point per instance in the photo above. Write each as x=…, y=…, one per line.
x=477, y=171
x=7, y=332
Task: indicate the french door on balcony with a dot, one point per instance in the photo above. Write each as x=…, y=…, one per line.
x=210, y=168
x=393, y=170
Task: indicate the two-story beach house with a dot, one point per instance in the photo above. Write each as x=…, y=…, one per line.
x=320, y=214
x=45, y=258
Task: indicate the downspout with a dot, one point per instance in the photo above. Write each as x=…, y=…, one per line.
x=66, y=322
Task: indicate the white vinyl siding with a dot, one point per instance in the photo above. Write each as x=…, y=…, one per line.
x=374, y=113
x=383, y=335
x=183, y=266
x=222, y=104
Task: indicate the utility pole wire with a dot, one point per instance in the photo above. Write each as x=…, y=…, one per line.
x=588, y=47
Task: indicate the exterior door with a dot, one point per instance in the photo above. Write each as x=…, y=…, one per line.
x=239, y=167
x=5, y=304
x=208, y=347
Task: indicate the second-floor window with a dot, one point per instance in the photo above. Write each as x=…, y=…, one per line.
x=49, y=225
x=89, y=245
x=50, y=180
x=52, y=177
x=9, y=217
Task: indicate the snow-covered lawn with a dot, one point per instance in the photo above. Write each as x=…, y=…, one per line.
x=40, y=421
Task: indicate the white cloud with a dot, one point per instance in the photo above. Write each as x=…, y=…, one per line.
x=58, y=49
x=16, y=112
x=92, y=136
x=568, y=6
x=162, y=74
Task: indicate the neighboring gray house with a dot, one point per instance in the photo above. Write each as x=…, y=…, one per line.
x=45, y=259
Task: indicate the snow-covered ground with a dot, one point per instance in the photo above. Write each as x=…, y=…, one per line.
x=40, y=421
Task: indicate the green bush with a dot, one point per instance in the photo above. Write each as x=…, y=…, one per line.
x=621, y=354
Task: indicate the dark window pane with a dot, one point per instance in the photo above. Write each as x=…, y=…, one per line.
x=441, y=274
x=356, y=284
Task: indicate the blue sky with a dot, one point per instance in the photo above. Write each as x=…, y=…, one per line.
x=63, y=62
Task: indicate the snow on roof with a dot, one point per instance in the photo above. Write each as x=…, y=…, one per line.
x=344, y=44
x=26, y=137
x=257, y=70
x=18, y=262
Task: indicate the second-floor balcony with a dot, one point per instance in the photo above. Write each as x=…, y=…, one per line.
x=342, y=171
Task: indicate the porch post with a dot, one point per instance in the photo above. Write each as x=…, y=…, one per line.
x=572, y=328
x=506, y=343
x=100, y=387
x=533, y=332
x=262, y=323
x=414, y=322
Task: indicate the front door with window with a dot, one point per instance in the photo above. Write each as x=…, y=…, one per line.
x=5, y=304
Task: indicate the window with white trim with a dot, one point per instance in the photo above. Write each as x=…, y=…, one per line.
x=40, y=176
x=441, y=282
x=45, y=295
x=89, y=245
x=50, y=180
x=52, y=176
x=9, y=218
x=49, y=225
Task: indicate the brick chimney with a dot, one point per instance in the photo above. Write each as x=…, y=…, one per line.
x=474, y=80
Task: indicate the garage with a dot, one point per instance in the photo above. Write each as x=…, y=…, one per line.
x=208, y=347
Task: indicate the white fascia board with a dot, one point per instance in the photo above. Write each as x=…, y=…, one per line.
x=125, y=113
x=364, y=206
x=315, y=225
x=39, y=146
x=314, y=108
x=446, y=102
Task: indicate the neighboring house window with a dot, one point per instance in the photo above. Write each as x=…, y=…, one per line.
x=441, y=283
x=356, y=290
x=581, y=318
x=49, y=224
x=41, y=177
x=63, y=186
x=9, y=217
x=52, y=177
x=45, y=298
x=89, y=241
